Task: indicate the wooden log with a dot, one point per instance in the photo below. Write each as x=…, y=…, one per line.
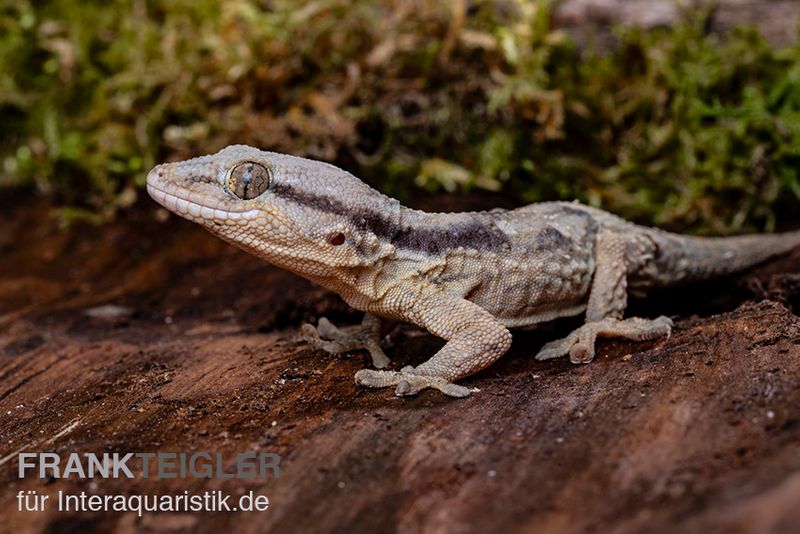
x=152, y=336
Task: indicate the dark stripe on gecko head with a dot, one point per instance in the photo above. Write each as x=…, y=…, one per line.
x=473, y=234
x=550, y=238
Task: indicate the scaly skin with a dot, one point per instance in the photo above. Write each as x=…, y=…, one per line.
x=465, y=277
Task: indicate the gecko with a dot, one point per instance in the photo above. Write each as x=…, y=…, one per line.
x=468, y=278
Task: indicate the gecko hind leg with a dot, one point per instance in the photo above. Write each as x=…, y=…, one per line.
x=580, y=343
x=326, y=336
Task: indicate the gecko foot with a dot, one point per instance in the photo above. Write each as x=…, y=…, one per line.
x=327, y=337
x=408, y=382
x=580, y=343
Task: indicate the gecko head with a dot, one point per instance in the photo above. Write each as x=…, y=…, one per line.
x=304, y=215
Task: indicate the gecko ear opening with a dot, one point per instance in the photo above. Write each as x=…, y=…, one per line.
x=248, y=179
x=336, y=239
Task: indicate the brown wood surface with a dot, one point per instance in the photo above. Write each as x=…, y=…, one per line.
x=697, y=433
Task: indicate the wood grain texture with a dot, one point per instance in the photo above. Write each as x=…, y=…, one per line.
x=697, y=433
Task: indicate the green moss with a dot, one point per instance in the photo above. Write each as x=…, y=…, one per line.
x=674, y=127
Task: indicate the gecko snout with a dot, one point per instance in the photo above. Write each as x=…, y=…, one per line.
x=156, y=175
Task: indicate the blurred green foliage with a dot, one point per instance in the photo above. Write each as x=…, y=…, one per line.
x=675, y=127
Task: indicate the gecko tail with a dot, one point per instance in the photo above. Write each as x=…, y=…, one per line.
x=700, y=258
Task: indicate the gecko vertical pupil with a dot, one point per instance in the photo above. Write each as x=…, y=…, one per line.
x=248, y=180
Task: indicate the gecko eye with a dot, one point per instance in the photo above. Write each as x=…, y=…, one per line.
x=248, y=180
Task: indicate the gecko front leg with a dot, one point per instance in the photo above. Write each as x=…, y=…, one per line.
x=327, y=337
x=615, y=258
x=475, y=339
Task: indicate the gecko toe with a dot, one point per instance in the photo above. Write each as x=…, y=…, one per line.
x=377, y=379
x=553, y=349
x=309, y=333
x=409, y=383
x=454, y=390
x=379, y=359
x=545, y=355
x=581, y=353
x=413, y=384
x=327, y=330
x=406, y=389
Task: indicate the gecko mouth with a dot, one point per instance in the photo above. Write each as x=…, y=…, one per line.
x=191, y=207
